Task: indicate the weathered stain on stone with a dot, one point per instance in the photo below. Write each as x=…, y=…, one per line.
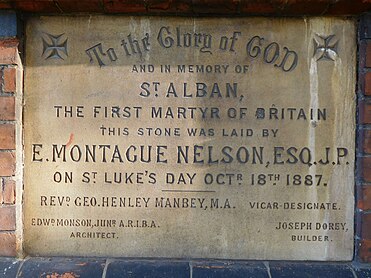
x=70, y=140
x=63, y=275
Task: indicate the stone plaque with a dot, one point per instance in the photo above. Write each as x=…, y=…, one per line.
x=190, y=137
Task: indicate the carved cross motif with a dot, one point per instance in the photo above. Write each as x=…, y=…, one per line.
x=324, y=49
x=54, y=47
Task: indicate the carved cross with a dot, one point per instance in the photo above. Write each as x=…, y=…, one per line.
x=323, y=49
x=56, y=49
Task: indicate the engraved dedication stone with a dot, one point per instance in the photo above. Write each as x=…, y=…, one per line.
x=190, y=138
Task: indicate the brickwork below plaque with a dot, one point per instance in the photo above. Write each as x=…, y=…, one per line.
x=8, y=124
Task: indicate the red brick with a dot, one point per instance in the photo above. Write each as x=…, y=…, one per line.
x=346, y=7
x=124, y=6
x=365, y=251
x=304, y=7
x=71, y=6
x=7, y=137
x=364, y=203
x=8, y=244
x=162, y=5
x=7, y=108
x=8, y=51
x=364, y=112
x=37, y=6
x=216, y=6
x=180, y=6
x=257, y=7
x=9, y=43
x=9, y=192
x=9, y=75
x=366, y=226
x=1, y=188
x=4, y=5
x=289, y=7
x=7, y=163
x=368, y=55
x=7, y=218
x=366, y=168
x=368, y=84
x=365, y=137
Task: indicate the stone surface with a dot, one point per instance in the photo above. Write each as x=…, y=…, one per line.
x=273, y=115
x=363, y=272
x=8, y=267
x=77, y=267
x=153, y=269
x=232, y=270
x=287, y=270
x=62, y=267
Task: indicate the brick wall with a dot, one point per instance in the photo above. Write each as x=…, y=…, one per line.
x=10, y=72
x=189, y=7
x=363, y=182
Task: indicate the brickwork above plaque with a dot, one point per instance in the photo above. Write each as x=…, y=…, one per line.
x=190, y=137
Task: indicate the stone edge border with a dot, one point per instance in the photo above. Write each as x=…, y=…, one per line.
x=112, y=268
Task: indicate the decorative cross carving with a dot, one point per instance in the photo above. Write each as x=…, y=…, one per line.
x=54, y=47
x=324, y=49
